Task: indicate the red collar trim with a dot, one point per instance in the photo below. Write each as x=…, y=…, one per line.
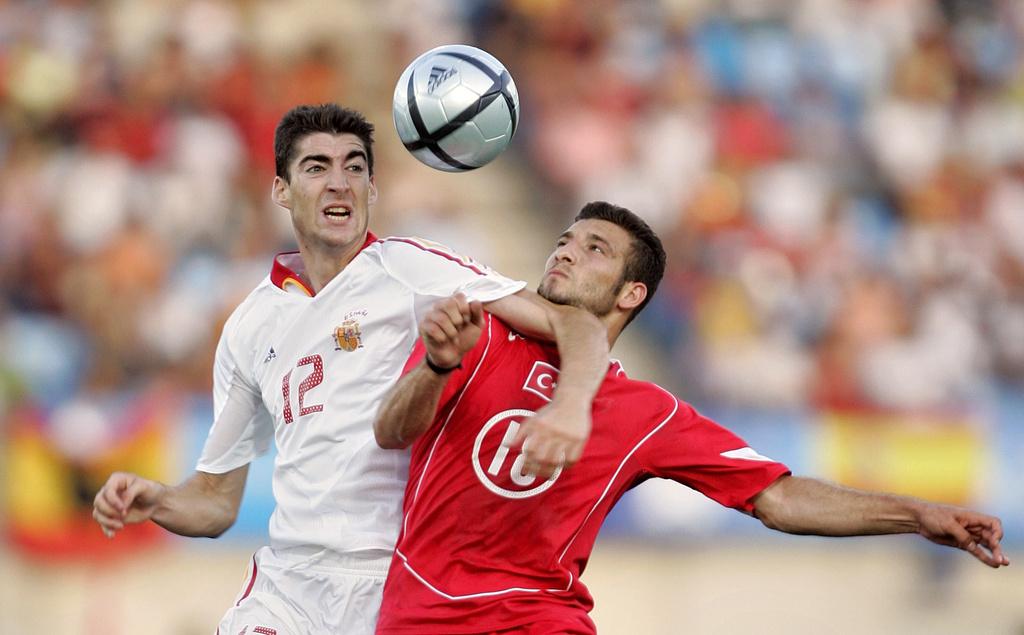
x=289, y=272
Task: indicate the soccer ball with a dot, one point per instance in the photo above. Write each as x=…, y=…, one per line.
x=455, y=108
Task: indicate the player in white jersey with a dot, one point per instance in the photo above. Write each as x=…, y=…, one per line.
x=305, y=360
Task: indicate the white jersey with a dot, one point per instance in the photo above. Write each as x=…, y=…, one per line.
x=311, y=371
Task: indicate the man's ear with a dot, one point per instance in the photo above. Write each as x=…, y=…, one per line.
x=373, y=192
x=632, y=295
x=281, y=193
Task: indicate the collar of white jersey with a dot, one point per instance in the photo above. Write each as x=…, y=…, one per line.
x=289, y=272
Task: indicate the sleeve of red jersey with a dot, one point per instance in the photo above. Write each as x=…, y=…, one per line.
x=699, y=453
x=457, y=378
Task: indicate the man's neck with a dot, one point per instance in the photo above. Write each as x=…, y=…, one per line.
x=614, y=328
x=322, y=265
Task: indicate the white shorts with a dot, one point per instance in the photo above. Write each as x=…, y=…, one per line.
x=296, y=591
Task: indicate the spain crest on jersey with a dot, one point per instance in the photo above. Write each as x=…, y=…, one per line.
x=348, y=337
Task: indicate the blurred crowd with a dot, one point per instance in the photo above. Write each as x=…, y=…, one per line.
x=839, y=183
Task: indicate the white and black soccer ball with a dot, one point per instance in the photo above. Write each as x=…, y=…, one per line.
x=456, y=108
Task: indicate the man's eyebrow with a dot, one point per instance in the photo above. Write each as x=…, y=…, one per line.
x=602, y=240
x=318, y=158
x=323, y=158
x=355, y=153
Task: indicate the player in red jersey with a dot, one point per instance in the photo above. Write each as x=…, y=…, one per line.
x=488, y=548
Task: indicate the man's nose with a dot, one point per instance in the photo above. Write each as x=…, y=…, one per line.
x=565, y=254
x=337, y=180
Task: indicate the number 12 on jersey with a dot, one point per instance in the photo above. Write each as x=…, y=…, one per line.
x=312, y=380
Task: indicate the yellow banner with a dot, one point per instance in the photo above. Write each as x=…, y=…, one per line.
x=939, y=458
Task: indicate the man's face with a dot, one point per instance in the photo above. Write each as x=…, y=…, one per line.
x=330, y=192
x=585, y=270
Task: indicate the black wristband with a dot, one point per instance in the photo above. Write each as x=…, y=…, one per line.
x=438, y=369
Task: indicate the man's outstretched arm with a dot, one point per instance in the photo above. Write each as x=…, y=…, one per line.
x=556, y=435
x=800, y=505
x=203, y=505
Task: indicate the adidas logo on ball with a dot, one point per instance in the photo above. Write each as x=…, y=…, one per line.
x=437, y=77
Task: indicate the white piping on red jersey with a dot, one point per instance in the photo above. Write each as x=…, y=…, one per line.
x=430, y=456
x=607, y=487
x=482, y=594
x=746, y=453
x=597, y=503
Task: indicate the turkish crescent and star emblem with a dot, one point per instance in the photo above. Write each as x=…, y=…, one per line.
x=348, y=337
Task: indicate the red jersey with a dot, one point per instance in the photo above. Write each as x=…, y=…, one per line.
x=486, y=548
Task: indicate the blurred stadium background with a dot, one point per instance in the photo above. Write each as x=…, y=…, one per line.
x=839, y=184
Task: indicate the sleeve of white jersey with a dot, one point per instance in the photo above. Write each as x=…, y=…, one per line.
x=242, y=427
x=431, y=270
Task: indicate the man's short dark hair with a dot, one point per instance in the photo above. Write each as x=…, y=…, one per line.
x=304, y=120
x=646, y=262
